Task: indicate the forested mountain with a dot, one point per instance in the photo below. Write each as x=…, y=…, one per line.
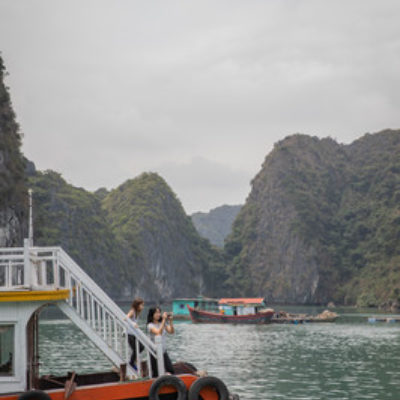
x=13, y=191
x=168, y=256
x=216, y=225
x=134, y=241
x=73, y=218
x=322, y=222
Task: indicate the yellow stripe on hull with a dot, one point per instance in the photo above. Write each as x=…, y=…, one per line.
x=34, y=295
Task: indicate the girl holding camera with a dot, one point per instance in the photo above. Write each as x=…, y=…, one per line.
x=158, y=324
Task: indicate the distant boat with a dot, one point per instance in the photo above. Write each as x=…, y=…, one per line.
x=283, y=317
x=387, y=319
x=236, y=311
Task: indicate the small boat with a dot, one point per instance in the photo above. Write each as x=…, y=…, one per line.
x=283, y=317
x=181, y=311
x=386, y=319
x=236, y=311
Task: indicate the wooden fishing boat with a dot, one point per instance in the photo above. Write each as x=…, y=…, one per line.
x=34, y=277
x=235, y=311
x=283, y=317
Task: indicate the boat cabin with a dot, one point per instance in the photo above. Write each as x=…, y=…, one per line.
x=181, y=311
x=32, y=278
x=241, y=306
x=22, y=296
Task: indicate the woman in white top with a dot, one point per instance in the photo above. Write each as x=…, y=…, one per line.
x=157, y=325
x=133, y=315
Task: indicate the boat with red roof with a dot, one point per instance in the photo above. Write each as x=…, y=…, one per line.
x=236, y=311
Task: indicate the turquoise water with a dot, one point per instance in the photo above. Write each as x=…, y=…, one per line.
x=348, y=359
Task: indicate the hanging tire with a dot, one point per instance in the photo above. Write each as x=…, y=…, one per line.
x=168, y=380
x=34, y=395
x=208, y=381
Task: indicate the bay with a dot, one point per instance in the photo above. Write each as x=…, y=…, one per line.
x=348, y=359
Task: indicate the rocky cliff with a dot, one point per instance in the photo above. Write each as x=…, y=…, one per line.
x=13, y=192
x=319, y=217
x=216, y=225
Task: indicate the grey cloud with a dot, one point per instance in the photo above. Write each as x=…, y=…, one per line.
x=104, y=89
x=202, y=184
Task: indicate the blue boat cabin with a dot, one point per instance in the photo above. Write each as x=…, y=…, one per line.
x=180, y=310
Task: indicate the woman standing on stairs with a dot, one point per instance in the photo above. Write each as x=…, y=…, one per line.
x=133, y=314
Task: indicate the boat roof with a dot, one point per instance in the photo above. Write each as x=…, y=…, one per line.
x=197, y=299
x=242, y=301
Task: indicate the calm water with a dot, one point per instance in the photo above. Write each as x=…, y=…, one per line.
x=349, y=359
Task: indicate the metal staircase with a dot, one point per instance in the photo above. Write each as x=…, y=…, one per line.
x=88, y=306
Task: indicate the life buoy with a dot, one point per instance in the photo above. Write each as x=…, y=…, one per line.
x=208, y=381
x=168, y=380
x=34, y=395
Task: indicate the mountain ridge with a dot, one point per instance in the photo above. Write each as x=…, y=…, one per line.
x=290, y=240
x=216, y=224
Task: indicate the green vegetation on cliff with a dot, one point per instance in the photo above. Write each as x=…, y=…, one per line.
x=370, y=216
x=13, y=192
x=73, y=218
x=321, y=223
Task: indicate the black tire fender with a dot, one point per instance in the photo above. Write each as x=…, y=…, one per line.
x=208, y=381
x=168, y=380
x=34, y=395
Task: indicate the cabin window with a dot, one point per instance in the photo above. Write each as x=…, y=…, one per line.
x=49, y=273
x=3, y=276
x=6, y=350
x=17, y=276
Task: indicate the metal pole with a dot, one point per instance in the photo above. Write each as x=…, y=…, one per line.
x=30, y=219
x=27, y=265
x=160, y=356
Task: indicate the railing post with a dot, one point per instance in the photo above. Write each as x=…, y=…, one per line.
x=160, y=356
x=138, y=360
x=43, y=272
x=81, y=299
x=115, y=334
x=56, y=271
x=92, y=312
x=9, y=275
x=150, y=368
x=27, y=265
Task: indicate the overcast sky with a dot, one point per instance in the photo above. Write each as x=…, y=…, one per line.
x=196, y=90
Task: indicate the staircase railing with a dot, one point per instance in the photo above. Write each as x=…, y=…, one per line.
x=88, y=306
